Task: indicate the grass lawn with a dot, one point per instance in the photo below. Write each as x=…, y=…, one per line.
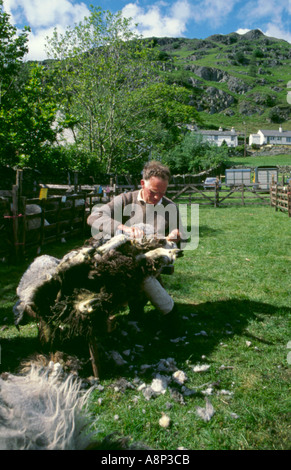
x=233, y=295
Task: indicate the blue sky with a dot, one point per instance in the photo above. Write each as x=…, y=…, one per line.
x=172, y=18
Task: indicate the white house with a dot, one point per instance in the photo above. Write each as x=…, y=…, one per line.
x=279, y=137
x=220, y=136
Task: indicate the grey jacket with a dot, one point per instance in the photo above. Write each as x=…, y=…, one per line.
x=128, y=209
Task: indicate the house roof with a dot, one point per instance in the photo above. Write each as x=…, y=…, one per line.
x=210, y=132
x=272, y=133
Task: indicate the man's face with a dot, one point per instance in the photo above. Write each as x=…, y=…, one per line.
x=153, y=189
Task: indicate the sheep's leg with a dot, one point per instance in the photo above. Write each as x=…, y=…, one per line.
x=112, y=244
x=157, y=295
x=111, y=323
x=94, y=355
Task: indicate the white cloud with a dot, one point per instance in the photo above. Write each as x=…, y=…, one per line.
x=255, y=10
x=43, y=16
x=242, y=31
x=165, y=19
x=45, y=13
x=278, y=31
x=214, y=11
x=153, y=20
x=37, y=42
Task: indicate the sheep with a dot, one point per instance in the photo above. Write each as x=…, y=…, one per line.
x=82, y=292
x=34, y=223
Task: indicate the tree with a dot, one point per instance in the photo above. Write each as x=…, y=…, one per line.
x=123, y=110
x=31, y=123
x=27, y=105
x=12, y=50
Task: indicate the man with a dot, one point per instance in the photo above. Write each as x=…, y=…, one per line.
x=142, y=213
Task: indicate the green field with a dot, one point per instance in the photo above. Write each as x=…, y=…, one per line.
x=253, y=161
x=233, y=295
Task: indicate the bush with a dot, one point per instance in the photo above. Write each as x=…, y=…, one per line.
x=193, y=155
x=275, y=116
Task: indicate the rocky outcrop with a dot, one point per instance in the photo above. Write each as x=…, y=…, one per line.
x=235, y=85
x=211, y=74
x=213, y=100
x=248, y=109
x=208, y=73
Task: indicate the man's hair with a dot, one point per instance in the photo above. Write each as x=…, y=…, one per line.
x=157, y=169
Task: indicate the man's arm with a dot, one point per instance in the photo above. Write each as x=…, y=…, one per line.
x=107, y=217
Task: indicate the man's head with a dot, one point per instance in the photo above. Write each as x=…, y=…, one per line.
x=155, y=181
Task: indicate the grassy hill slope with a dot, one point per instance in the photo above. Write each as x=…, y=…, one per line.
x=237, y=80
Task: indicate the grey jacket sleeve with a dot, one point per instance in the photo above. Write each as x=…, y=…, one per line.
x=105, y=219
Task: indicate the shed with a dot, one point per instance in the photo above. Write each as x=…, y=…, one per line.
x=264, y=176
x=236, y=177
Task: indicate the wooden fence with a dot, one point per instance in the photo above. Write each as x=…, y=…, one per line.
x=28, y=224
x=63, y=215
x=219, y=197
x=280, y=197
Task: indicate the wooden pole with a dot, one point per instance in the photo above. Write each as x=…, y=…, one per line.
x=76, y=181
x=243, y=195
x=16, y=204
x=19, y=180
x=276, y=196
x=15, y=219
x=42, y=219
x=216, y=198
x=22, y=224
x=94, y=355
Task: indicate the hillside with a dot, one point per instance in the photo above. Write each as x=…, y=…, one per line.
x=237, y=80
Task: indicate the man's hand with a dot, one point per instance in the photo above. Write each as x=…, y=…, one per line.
x=132, y=232
x=174, y=236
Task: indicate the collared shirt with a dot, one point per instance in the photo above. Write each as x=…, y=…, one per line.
x=140, y=199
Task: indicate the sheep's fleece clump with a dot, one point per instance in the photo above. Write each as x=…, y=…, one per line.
x=38, y=411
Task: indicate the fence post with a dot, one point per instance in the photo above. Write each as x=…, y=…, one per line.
x=75, y=181
x=216, y=197
x=289, y=199
x=276, y=196
x=42, y=219
x=243, y=194
x=15, y=219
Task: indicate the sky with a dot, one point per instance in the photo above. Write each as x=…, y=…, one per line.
x=172, y=18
